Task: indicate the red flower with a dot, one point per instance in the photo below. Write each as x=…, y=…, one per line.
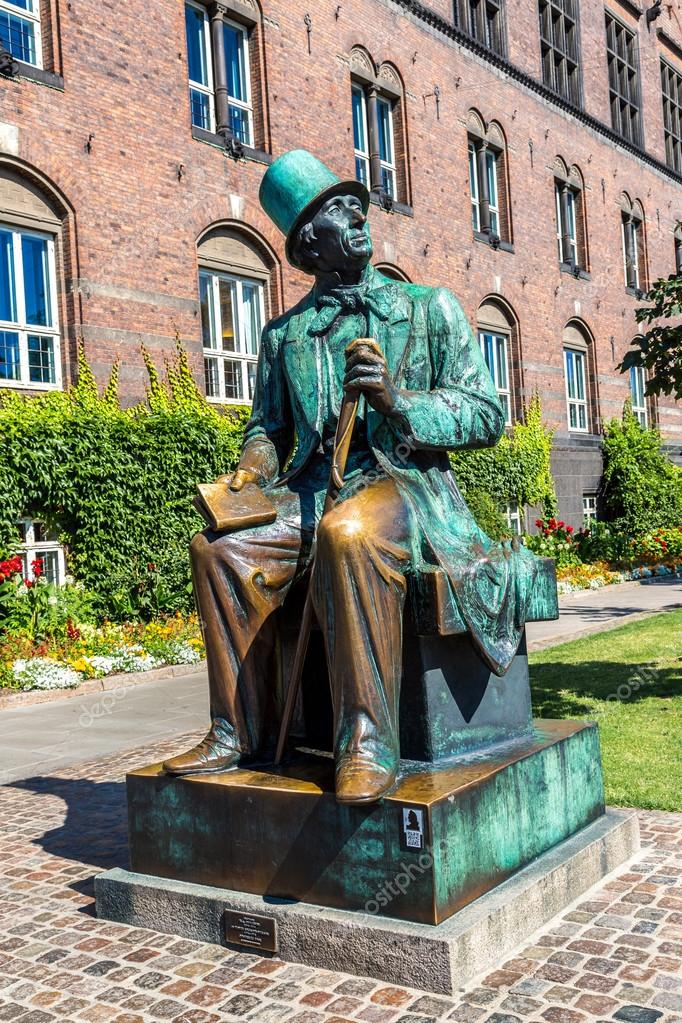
x=37, y=567
x=569, y=529
x=151, y=567
x=540, y=523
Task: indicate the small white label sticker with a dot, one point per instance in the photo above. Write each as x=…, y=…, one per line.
x=413, y=827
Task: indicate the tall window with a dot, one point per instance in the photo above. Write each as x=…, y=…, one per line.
x=634, y=251
x=623, y=64
x=483, y=182
x=29, y=328
x=496, y=354
x=39, y=543
x=515, y=518
x=232, y=317
x=483, y=21
x=219, y=74
x=637, y=387
x=671, y=86
x=678, y=250
x=20, y=30
x=374, y=139
x=567, y=235
x=560, y=48
x=575, y=367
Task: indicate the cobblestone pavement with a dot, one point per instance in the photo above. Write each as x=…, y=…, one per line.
x=617, y=956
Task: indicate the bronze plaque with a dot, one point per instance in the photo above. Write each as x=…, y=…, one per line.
x=250, y=931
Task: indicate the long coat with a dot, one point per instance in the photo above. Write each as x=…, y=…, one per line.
x=448, y=401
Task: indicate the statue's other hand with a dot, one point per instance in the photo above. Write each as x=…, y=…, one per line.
x=236, y=480
x=366, y=371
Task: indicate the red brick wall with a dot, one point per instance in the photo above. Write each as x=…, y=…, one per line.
x=131, y=266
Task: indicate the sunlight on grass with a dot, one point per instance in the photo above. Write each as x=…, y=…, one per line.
x=629, y=681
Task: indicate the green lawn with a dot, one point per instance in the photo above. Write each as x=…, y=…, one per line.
x=629, y=681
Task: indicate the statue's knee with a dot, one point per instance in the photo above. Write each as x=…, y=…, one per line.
x=340, y=534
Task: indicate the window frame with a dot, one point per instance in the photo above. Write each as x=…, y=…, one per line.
x=572, y=401
x=244, y=105
x=572, y=232
x=561, y=63
x=516, y=513
x=20, y=326
x=474, y=190
x=206, y=90
x=503, y=393
x=361, y=155
x=240, y=355
x=637, y=390
x=632, y=101
x=31, y=550
x=485, y=30
x=628, y=218
x=32, y=17
x=590, y=514
x=388, y=169
x=492, y=158
x=672, y=115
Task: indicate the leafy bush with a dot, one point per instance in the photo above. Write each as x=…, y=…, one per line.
x=600, y=542
x=517, y=469
x=659, y=546
x=487, y=514
x=642, y=488
x=118, y=484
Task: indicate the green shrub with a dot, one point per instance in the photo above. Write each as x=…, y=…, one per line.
x=601, y=542
x=515, y=470
x=118, y=484
x=642, y=488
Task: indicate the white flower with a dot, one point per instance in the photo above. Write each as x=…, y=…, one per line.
x=42, y=581
x=69, y=580
x=22, y=590
x=52, y=601
x=44, y=673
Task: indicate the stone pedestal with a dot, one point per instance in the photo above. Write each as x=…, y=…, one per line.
x=445, y=836
x=439, y=959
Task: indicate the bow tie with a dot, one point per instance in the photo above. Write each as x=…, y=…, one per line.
x=345, y=301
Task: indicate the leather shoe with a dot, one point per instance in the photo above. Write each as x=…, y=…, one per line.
x=217, y=752
x=361, y=780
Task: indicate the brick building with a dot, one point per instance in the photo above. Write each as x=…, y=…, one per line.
x=527, y=154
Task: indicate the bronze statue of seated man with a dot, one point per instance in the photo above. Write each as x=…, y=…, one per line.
x=424, y=392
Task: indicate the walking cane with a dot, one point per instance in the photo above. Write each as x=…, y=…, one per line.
x=342, y=439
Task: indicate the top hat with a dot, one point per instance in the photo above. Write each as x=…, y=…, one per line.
x=295, y=185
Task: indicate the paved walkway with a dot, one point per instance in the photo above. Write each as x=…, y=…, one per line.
x=616, y=955
x=46, y=737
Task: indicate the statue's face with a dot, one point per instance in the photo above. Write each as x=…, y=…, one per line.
x=341, y=235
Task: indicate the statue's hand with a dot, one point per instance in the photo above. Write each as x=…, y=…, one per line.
x=367, y=372
x=236, y=480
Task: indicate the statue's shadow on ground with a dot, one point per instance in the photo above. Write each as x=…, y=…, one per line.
x=94, y=832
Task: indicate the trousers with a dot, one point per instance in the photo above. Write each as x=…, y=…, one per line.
x=360, y=553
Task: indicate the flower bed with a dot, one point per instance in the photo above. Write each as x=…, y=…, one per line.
x=87, y=651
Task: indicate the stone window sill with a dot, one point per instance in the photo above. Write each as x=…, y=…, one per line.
x=36, y=74
x=577, y=272
x=394, y=207
x=493, y=241
x=213, y=139
x=637, y=293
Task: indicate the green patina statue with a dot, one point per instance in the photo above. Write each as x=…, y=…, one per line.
x=425, y=390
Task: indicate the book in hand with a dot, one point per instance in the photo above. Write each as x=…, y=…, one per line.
x=225, y=509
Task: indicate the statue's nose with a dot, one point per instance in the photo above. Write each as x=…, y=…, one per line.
x=358, y=217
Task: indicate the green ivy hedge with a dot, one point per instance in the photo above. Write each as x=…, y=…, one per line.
x=642, y=488
x=118, y=484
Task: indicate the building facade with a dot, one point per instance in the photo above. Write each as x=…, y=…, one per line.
x=526, y=154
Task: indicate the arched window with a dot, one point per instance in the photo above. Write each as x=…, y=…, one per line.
x=580, y=378
x=394, y=272
x=30, y=336
x=488, y=183
x=379, y=136
x=234, y=290
x=634, y=244
x=498, y=338
x=571, y=220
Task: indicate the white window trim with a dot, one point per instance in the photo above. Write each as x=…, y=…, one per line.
x=246, y=105
x=237, y=356
x=33, y=16
x=206, y=90
x=504, y=392
x=640, y=411
x=516, y=514
x=32, y=550
x=577, y=402
x=363, y=154
x=385, y=164
x=473, y=187
x=589, y=509
x=493, y=207
x=22, y=328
